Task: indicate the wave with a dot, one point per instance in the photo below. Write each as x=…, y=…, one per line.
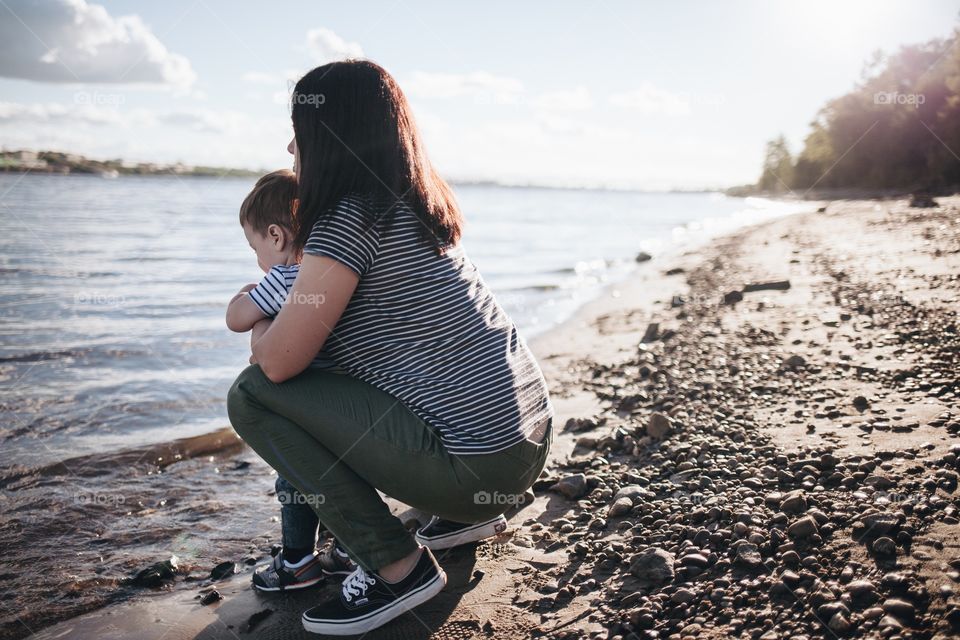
x=222, y=442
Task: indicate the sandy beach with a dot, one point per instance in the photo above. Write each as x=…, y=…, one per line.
x=755, y=439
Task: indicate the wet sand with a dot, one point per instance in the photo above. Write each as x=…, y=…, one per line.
x=766, y=461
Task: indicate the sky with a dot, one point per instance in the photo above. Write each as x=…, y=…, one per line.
x=645, y=95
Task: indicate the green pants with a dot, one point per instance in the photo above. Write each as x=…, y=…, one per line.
x=338, y=439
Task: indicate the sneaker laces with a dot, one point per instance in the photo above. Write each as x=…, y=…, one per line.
x=357, y=583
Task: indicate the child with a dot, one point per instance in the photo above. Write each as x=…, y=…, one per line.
x=267, y=219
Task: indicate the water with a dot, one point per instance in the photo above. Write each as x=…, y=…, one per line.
x=114, y=346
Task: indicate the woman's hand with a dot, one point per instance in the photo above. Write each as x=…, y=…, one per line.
x=284, y=347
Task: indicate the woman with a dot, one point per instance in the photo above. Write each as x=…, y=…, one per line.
x=443, y=406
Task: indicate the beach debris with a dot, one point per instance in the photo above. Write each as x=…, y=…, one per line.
x=643, y=256
x=733, y=297
x=659, y=426
x=223, y=570
x=771, y=285
x=257, y=618
x=653, y=330
x=156, y=575
x=573, y=486
x=210, y=597
x=654, y=565
x=923, y=201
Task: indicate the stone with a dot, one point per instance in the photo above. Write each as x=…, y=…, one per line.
x=659, y=426
x=211, y=597
x=620, y=507
x=573, y=486
x=694, y=560
x=654, y=565
x=900, y=608
x=803, y=528
x=795, y=361
x=794, y=502
x=884, y=546
x=643, y=256
x=748, y=555
x=223, y=570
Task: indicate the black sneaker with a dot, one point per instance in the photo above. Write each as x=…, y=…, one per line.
x=444, y=534
x=283, y=576
x=366, y=601
x=336, y=562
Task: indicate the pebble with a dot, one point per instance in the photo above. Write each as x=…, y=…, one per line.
x=803, y=528
x=884, y=546
x=654, y=565
x=659, y=426
x=573, y=486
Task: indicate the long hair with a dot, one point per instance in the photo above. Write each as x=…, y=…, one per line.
x=355, y=133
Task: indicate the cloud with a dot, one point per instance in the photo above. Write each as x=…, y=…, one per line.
x=326, y=46
x=576, y=99
x=72, y=41
x=479, y=85
x=649, y=99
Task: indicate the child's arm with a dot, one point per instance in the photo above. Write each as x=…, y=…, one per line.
x=242, y=312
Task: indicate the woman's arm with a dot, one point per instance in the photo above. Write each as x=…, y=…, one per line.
x=319, y=295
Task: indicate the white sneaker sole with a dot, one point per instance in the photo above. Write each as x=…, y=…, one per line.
x=292, y=587
x=379, y=618
x=465, y=536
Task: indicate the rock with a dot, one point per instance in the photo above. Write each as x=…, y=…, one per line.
x=795, y=361
x=683, y=596
x=573, y=486
x=794, y=502
x=839, y=623
x=878, y=524
x=732, y=297
x=860, y=403
x=631, y=492
x=643, y=256
x=156, y=574
x=620, y=507
x=889, y=622
x=211, y=597
x=803, y=528
x=694, y=560
x=580, y=424
x=257, y=618
x=900, y=608
x=748, y=555
x=654, y=565
x=884, y=546
x=659, y=426
x=862, y=590
x=223, y=570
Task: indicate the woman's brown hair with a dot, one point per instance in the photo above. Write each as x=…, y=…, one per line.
x=356, y=134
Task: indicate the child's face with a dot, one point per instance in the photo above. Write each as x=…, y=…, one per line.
x=272, y=247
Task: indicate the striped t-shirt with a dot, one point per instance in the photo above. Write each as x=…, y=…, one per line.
x=270, y=294
x=426, y=329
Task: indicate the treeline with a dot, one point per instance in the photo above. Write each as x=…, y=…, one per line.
x=898, y=129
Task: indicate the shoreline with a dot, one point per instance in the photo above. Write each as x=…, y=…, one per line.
x=577, y=558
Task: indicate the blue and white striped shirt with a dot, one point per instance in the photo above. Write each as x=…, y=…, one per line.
x=426, y=329
x=270, y=294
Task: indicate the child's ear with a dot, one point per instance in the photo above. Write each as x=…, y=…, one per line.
x=278, y=236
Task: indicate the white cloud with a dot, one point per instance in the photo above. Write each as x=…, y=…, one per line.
x=72, y=41
x=479, y=85
x=326, y=46
x=576, y=99
x=649, y=99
